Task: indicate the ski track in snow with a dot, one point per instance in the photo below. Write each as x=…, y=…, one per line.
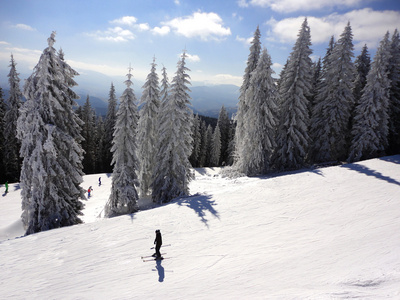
x=330, y=233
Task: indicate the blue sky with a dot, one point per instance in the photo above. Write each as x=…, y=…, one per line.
x=106, y=36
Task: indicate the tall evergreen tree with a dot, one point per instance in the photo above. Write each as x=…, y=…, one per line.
x=252, y=60
x=224, y=125
x=111, y=118
x=295, y=88
x=11, y=143
x=203, y=144
x=196, y=137
x=216, y=147
x=88, y=116
x=49, y=131
x=338, y=104
x=124, y=196
x=172, y=173
x=394, y=105
x=362, y=65
x=261, y=120
x=370, y=129
x=2, y=112
x=319, y=149
x=147, y=129
x=100, y=142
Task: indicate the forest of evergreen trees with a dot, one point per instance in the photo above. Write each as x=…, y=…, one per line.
x=330, y=111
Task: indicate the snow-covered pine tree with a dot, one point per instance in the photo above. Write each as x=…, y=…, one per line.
x=394, y=105
x=252, y=60
x=295, y=88
x=2, y=112
x=261, y=120
x=49, y=131
x=196, y=137
x=362, y=65
x=88, y=116
x=147, y=129
x=216, y=147
x=224, y=125
x=203, y=144
x=111, y=118
x=100, y=137
x=11, y=143
x=124, y=196
x=164, y=85
x=338, y=105
x=172, y=172
x=319, y=148
x=370, y=129
x=209, y=139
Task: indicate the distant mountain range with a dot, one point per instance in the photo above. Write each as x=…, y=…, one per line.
x=206, y=100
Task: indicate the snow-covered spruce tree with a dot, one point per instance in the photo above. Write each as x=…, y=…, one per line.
x=370, y=129
x=88, y=116
x=11, y=143
x=394, y=104
x=109, y=126
x=209, y=139
x=124, y=196
x=196, y=137
x=203, y=144
x=252, y=60
x=172, y=171
x=2, y=112
x=261, y=120
x=216, y=147
x=49, y=131
x=338, y=105
x=224, y=127
x=164, y=85
x=147, y=129
x=295, y=88
x=319, y=148
x=362, y=65
x=100, y=137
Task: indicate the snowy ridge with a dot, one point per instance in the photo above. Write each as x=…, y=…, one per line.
x=330, y=233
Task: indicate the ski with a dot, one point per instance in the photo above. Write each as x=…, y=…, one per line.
x=155, y=259
x=162, y=246
x=148, y=256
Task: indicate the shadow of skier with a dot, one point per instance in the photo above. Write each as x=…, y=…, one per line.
x=161, y=271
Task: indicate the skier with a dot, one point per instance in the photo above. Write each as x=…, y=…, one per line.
x=158, y=243
x=6, y=184
x=99, y=181
x=89, y=190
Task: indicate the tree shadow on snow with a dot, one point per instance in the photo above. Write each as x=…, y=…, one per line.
x=393, y=159
x=201, y=204
x=369, y=172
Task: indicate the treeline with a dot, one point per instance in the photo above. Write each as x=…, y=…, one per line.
x=331, y=111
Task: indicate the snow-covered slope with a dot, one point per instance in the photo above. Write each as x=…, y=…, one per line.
x=329, y=233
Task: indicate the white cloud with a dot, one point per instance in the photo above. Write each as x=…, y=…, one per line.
x=204, y=25
x=242, y=3
x=101, y=68
x=289, y=6
x=225, y=79
x=143, y=27
x=177, y=2
x=4, y=43
x=368, y=27
x=192, y=58
x=24, y=27
x=164, y=30
x=245, y=41
x=27, y=57
x=115, y=34
x=127, y=20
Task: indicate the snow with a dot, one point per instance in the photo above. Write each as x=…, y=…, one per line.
x=329, y=233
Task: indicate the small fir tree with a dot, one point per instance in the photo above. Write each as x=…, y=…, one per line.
x=111, y=118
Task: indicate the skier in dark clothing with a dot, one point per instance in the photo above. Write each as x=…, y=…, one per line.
x=158, y=243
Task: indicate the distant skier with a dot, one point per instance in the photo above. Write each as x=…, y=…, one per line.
x=89, y=190
x=158, y=243
x=99, y=181
x=6, y=184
